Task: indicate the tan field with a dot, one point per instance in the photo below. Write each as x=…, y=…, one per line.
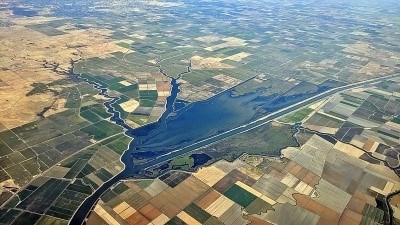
x=105, y=215
x=208, y=39
x=130, y=105
x=187, y=218
x=238, y=57
x=21, y=63
x=125, y=83
x=210, y=175
x=229, y=42
x=199, y=62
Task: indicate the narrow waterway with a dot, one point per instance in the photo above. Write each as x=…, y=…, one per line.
x=126, y=158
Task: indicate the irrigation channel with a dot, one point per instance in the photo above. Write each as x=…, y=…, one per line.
x=195, y=125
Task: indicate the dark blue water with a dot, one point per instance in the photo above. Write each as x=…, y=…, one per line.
x=200, y=159
x=179, y=104
x=272, y=103
x=182, y=128
x=192, y=123
x=23, y=12
x=198, y=121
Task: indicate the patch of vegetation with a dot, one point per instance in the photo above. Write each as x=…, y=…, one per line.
x=396, y=120
x=73, y=98
x=6, y=23
x=269, y=86
x=119, y=35
x=102, y=130
x=146, y=103
x=240, y=196
x=266, y=140
x=90, y=116
x=197, y=213
x=118, y=65
x=40, y=88
x=119, y=145
x=124, y=45
x=139, y=119
x=148, y=95
x=46, y=30
x=198, y=77
x=297, y=116
x=183, y=163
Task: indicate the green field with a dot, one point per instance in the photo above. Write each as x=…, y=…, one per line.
x=124, y=45
x=197, y=213
x=296, y=116
x=183, y=163
x=240, y=196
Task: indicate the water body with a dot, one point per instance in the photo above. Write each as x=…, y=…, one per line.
x=194, y=126
x=179, y=104
x=192, y=123
x=18, y=11
x=180, y=129
x=200, y=120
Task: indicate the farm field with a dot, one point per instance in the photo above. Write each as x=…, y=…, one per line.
x=310, y=181
x=142, y=99
x=257, y=188
x=48, y=167
x=365, y=118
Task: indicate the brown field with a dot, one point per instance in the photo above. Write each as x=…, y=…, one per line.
x=328, y=216
x=208, y=199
